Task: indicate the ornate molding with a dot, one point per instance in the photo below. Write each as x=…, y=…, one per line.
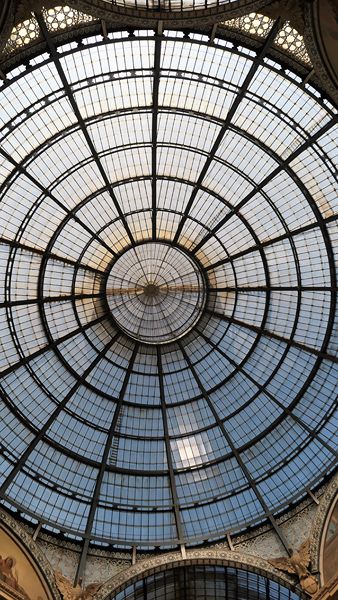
x=10, y=592
x=319, y=522
x=28, y=543
x=310, y=38
x=329, y=591
x=7, y=20
x=95, y=10
x=204, y=556
x=289, y=10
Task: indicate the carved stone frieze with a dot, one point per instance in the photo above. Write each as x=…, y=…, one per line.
x=203, y=556
x=289, y=10
x=319, y=521
x=312, y=45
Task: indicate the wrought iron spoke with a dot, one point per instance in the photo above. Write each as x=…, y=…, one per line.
x=23, y=170
x=288, y=235
x=272, y=288
x=48, y=300
x=282, y=166
x=156, y=83
x=275, y=336
x=51, y=255
x=241, y=94
x=178, y=522
x=41, y=433
x=51, y=346
x=71, y=98
x=96, y=494
x=237, y=455
x=263, y=389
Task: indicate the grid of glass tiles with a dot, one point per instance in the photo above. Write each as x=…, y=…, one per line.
x=205, y=583
x=242, y=181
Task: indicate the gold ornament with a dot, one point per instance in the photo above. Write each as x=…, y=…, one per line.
x=69, y=592
x=297, y=565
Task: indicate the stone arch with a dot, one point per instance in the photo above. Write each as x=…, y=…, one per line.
x=320, y=523
x=212, y=556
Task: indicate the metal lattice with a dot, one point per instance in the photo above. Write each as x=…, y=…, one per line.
x=213, y=151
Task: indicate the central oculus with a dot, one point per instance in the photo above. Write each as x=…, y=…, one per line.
x=155, y=292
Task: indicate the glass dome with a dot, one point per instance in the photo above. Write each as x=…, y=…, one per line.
x=153, y=411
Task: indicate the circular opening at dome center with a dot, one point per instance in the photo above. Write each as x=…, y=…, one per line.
x=156, y=292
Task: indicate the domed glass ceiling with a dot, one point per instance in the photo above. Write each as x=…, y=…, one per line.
x=211, y=169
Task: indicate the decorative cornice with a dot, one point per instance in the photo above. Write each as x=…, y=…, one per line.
x=28, y=543
x=7, y=20
x=204, y=556
x=11, y=592
x=24, y=53
x=329, y=591
x=326, y=502
x=311, y=42
x=289, y=10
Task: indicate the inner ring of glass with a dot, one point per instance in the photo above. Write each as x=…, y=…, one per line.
x=156, y=292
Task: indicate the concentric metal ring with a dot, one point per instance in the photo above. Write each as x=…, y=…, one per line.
x=155, y=292
x=139, y=143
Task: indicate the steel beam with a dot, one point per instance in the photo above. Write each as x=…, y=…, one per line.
x=26, y=359
x=241, y=94
x=156, y=83
x=60, y=407
x=176, y=505
x=48, y=300
x=257, y=188
x=288, y=235
x=97, y=489
x=275, y=336
x=236, y=454
x=263, y=389
x=54, y=54
x=21, y=169
x=15, y=244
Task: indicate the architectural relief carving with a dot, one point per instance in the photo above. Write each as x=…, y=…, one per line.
x=289, y=10
x=310, y=38
x=298, y=564
x=69, y=592
x=325, y=503
x=203, y=556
